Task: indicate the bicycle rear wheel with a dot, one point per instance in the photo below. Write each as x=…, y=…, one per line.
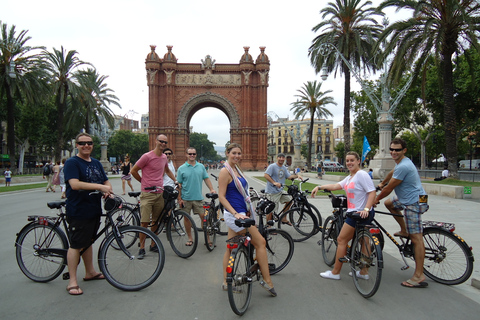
x=366, y=263
x=38, y=252
x=280, y=249
x=329, y=240
x=448, y=259
x=299, y=222
x=319, y=218
x=239, y=283
x=177, y=233
x=209, y=229
x=123, y=270
x=125, y=216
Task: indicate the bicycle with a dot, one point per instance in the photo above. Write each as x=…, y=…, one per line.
x=173, y=220
x=301, y=220
x=243, y=269
x=42, y=245
x=221, y=227
x=448, y=259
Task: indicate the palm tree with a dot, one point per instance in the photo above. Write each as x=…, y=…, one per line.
x=352, y=29
x=21, y=77
x=95, y=99
x=311, y=101
x=63, y=69
x=440, y=29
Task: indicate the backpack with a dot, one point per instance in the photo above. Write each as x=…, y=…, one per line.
x=47, y=170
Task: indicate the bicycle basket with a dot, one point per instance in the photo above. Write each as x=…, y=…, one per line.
x=292, y=190
x=112, y=203
x=265, y=206
x=169, y=193
x=339, y=201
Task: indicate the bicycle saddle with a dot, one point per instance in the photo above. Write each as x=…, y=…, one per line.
x=56, y=204
x=134, y=194
x=212, y=195
x=244, y=223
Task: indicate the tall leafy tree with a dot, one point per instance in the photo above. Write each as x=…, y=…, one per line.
x=21, y=77
x=63, y=68
x=438, y=28
x=351, y=27
x=311, y=102
x=95, y=98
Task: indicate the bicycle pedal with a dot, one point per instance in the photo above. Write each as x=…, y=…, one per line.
x=66, y=276
x=343, y=260
x=271, y=266
x=319, y=242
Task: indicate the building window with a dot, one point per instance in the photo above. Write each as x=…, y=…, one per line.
x=327, y=139
x=327, y=130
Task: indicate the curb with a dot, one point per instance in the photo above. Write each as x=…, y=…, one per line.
x=475, y=283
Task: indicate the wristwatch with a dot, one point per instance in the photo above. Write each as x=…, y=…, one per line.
x=366, y=209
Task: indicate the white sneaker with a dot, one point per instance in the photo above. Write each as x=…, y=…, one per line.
x=360, y=276
x=329, y=275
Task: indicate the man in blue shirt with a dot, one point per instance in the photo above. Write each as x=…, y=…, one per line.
x=189, y=177
x=411, y=198
x=83, y=174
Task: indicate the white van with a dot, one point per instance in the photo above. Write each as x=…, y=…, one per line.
x=465, y=164
x=332, y=165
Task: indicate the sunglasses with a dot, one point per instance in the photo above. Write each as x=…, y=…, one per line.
x=396, y=150
x=168, y=153
x=82, y=143
x=192, y=154
x=162, y=141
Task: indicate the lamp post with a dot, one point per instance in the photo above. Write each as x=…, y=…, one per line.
x=385, y=106
x=470, y=139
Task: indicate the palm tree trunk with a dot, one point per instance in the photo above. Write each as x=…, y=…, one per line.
x=310, y=142
x=449, y=116
x=10, y=128
x=346, y=111
x=61, y=104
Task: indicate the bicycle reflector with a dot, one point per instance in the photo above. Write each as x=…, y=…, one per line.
x=232, y=245
x=374, y=230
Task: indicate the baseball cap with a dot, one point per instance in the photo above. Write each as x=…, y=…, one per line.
x=281, y=155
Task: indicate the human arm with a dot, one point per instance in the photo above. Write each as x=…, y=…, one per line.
x=135, y=174
x=106, y=187
x=387, y=189
x=385, y=181
x=209, y=185
x=270, y=179
x=224, y=178
x=330, y=187
x=370, y=202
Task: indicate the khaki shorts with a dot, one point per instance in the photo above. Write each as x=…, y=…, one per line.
x=196, y=206
x=279, y=197
x=151, y=205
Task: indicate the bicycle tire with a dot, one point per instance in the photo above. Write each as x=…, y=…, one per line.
x=209, y=229
x=366, y=255
x=125, y=216
x=222, y=228
x=448, y=259
x=177, y=234
x=280, y=248
x=303, y=223
x=319, y=218
x=329, y=240
x=239, y=283
x=127, y=272
x=33, y=255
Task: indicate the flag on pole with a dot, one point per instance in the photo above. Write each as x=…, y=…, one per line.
x=366, y=148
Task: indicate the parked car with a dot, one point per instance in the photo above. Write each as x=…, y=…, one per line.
x=465, y=164
x=330, y=165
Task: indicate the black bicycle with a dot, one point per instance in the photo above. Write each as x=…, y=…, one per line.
x=302, y=220
x=218, y=208
x=243, y=269
x=42, y=245
x=211, y=222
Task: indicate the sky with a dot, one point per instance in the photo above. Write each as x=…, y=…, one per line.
x=115, y=36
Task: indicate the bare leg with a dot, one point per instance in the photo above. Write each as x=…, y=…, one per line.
x=346, y=234
x=130, y=185
x=400, y=220
x=419, y=249
x=73, y=255
x=261, y=253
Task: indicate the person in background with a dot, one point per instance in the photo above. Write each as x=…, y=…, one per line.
x=8, y=176
x=166, y=179
x=48, y=174
x=56, y=175
x=63, y=186
x=126, y=175
x=370, y=173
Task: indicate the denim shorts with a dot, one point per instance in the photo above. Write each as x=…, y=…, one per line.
x=353, y=223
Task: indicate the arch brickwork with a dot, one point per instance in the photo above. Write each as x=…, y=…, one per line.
x=178, y=90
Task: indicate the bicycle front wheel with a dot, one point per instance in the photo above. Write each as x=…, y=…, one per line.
x=329, y=240
x=222, y=228
x=179, y=230
x=41, y=252
x=280, y=249
x=125, y=216
x=124, y=270
x=448, y=259
x=319, y=218
x=299, y=222
x=366, y=263
x=239, y=282
x=209, y=229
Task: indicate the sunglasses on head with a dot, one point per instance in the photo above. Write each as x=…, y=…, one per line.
x=82, y=143
x=168, y=153
x=162, y=141
x=192, y=154
x=397, y=150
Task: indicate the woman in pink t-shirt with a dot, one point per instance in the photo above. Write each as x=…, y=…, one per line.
x=360, y=197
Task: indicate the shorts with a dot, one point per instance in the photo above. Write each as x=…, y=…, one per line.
x=8, y=179
x=230, y=221
x=127, y=177
x=82, y=232
x=412, y=214
x=151, y=205
x=195, y=205
x=353, y=223
x=277, y=198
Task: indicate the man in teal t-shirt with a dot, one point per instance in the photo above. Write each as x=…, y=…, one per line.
x=189, y=177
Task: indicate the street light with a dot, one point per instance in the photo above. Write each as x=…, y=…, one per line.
x=470, y=139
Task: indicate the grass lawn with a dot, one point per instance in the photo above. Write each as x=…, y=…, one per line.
x=454, y=182
x=23, y=187
x=305, y=186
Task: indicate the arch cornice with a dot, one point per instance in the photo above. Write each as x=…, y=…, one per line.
x=211, y=97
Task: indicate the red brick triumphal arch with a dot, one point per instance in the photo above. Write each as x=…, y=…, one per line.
x=178, y=90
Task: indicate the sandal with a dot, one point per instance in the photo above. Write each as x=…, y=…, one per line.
x=79, y=291
x=189, y=243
